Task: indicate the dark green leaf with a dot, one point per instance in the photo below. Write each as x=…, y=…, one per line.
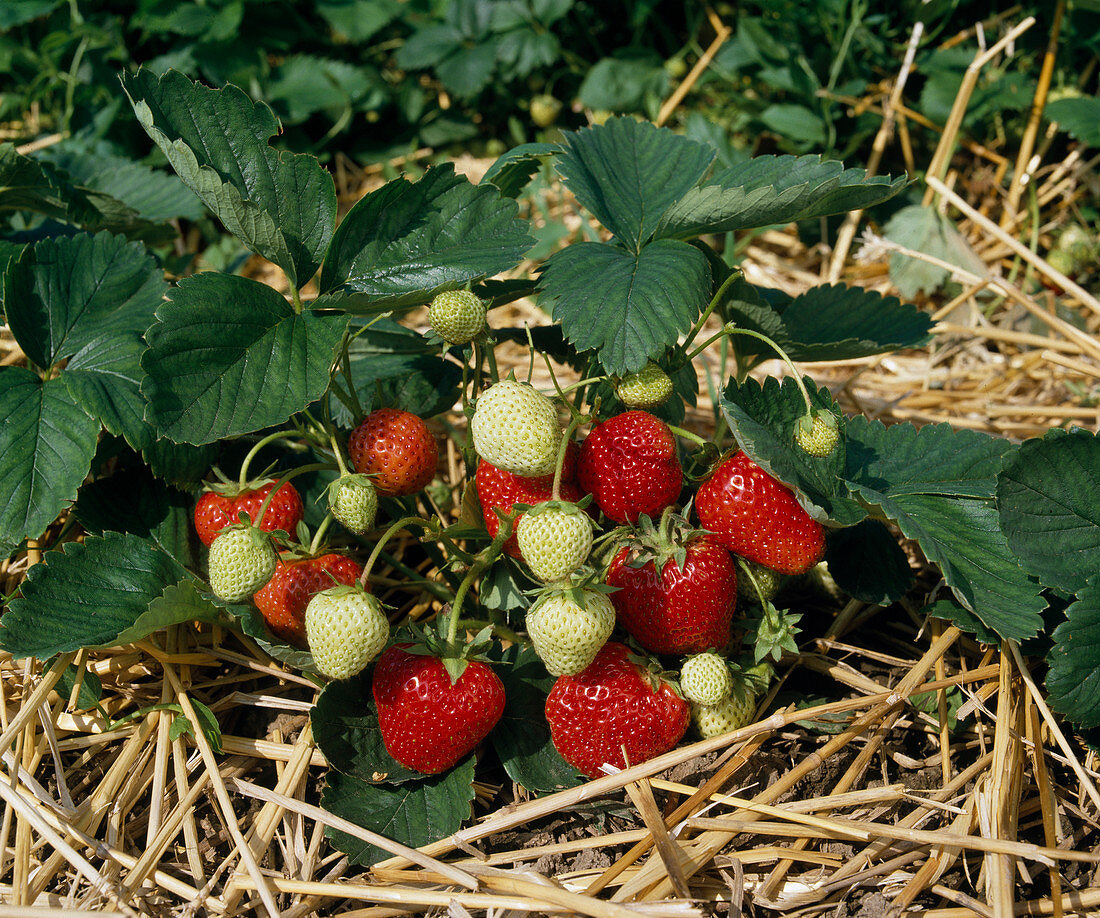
x=950, y=610
x=627, y=174
x=250, y=621
x=513, y=170
x=1074, y=676
x=623, y=83
x=359, y=20
x=522, y=738
x=502, y=586
x=155, y=196
x=834, y=322
x=414, y=814
x=628, y=307
x=91, y=688
x=763, y=418
x=305, y=84
x=795, y=122
x=228, y=356
x=86, y=595
x=345, y=726
x=46, y=447
x=208, y=723
x=26, y=184
x=926, y=230
x=17, y=12
x=1080, y=116
x=1047, y=496
x=468, y=70
x=931, y=482
x=132, y=500
x=179, y=463
x=405, y=242
x=867, y=563
x=281, y=205
x=181, y=602
x=771, y=190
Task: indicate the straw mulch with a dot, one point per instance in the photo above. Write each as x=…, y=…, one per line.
x=971, y=800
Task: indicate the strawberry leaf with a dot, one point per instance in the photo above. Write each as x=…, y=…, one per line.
x=46, y=447
x=522, y=738
x=132, y=500
x=628, y=173
x=770, y=190
x=867, y=563
x=88, y=300
x=405, y=242
x=1074, y=676
x=938, y=484
x=629, y=307
x=86, y=595
x=228, y=356
x=1046, y=495
x=763, y=418
x=835, y=322
x=345, y=726
x=281, y=205
x=415, y=814
x=513, y=170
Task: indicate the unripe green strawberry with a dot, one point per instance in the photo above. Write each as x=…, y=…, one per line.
x=457, y=316
x=646, y=389
x=346, y=629
x=516, y=429
x=1079, y=242
x=544, y=110
x=568, y=634
x=554, y=540
x=817, y=435
x=766, y=585
x=353, y=501
x=732, y=714
x=705, y=679
x=241, y=561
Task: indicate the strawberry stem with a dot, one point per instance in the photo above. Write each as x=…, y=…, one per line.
x=782, y=356
x=559, y=463
x=701, y=321
x=485, y=558
x=294, y=473
x=317, y=536
x=336, y=451
x=688, y=435
x=402, y=523
x=242, y=481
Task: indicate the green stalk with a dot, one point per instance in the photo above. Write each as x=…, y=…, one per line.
x=402, y=523
x=242, y=481
x=314, y=467
x=485, y=559
x=688, y=435
x=701, y=321
x=782, y=356
x=321, y=530
x=563, y=446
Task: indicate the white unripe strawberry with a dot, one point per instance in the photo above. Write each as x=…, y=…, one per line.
x=516, y=429
x=817, y=435
x=566, y=634
x=345, y=629
x=731, y=714
x=457, y=316
x=705, y=679
x=648, y=388
x=554, y=540
x=353, y=501
x=241, y=561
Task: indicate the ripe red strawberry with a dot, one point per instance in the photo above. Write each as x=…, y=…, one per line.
x=757, y=517
x=611, y=705
x=215, y=510
x=395, y=447
x=630, y=466
x=670, y=608
x=283, y=600
x=499, y=489
x=428, y=724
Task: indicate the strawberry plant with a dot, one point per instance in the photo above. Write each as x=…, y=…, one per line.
x=138, y=388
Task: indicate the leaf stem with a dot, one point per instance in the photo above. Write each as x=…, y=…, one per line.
x=688, y=435
x=782, y=356
x=402, y=523
x=242, y=480
x=717, y=298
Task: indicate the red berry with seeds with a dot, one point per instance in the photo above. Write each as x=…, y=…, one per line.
x=500, y=490
x=756, y=516
x=674, y=608
x=397, y=449
x=283, y=600
x=630, y=465
x=217, y=509
x=611, y=705
x=429, y=723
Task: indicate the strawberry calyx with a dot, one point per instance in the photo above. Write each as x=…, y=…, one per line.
x=439, y=639
x=667, y=541
x=772, y=632
x=650, y=668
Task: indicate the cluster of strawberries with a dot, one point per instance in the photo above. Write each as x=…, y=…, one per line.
x=671, y=588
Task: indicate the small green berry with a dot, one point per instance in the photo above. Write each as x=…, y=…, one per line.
x=457, y=316
x=346, y=629
x=353, y=501
x=705, y=679
x=545, y=110
x=646, y=389
x=767, y=585
x=241, y=561
x=817, y=435
x=717, y=719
